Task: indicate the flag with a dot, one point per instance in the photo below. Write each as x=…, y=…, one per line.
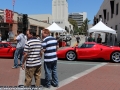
x=13, y=2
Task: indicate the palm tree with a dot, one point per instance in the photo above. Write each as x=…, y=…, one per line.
x=74, y=23
x=86, y=22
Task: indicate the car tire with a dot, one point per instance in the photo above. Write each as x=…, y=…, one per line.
x=115, y=57
x=71, y=56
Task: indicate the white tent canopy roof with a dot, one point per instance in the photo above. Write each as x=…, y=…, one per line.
x=55, y=28
x=101, y=27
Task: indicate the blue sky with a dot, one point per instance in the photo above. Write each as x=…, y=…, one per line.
x=45, y=6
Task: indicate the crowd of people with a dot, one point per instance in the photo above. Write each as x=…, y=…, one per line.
x=89, y=39
x=30, y=50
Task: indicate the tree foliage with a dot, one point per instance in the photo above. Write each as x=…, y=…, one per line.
x=74, y=23
x=84, y=26
x=82, y=29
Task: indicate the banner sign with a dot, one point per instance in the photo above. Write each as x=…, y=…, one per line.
x=8, y=16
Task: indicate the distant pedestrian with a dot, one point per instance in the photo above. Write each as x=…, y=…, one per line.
x=78, y=39
x=90, y=38
x=32, y=56
x=19, y=48
x=99, y=39
x=50, y=47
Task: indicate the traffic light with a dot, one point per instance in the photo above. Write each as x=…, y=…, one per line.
x=25, y=23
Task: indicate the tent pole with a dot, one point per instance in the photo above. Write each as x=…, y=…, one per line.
x=113, y=40
x=62, y=40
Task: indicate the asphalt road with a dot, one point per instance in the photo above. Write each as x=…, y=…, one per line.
x=67, y=69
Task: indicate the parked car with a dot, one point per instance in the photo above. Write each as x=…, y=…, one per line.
x=90, y=51
x=7, y=49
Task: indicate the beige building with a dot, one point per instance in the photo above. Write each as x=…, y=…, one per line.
x=9, y=30
x=109, y=13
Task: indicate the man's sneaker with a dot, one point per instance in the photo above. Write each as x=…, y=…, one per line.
x=47, y=86
x=54, y=85
x=14, y=67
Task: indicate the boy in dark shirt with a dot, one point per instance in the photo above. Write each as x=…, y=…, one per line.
x=99, y=39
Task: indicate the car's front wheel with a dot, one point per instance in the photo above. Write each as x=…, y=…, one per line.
x=115, y=57
x=71, y=55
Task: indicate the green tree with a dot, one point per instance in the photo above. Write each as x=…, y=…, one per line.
x=85, y=23
x=74, y=23
x=84, y=26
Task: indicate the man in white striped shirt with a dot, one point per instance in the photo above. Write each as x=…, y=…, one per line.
x=50, y=46
x=32, y=56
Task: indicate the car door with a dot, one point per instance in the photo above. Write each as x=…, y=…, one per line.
x=1, y=50
x=92, y=51
x=6, y=51
x=81, y=51
x=87, y=51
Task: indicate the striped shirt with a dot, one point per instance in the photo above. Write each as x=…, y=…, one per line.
x=49, y=44
x=33, y=48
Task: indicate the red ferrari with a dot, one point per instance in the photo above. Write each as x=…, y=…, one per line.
x=90, y=51
x=7, y=49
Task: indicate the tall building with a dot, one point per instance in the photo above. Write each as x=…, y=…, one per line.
x=60, y=10
x=60, y=14
x=78, y=17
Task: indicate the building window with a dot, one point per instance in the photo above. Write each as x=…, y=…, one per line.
x=116, y=27
x=107, y=16
x=111, y=15
x=117, y=7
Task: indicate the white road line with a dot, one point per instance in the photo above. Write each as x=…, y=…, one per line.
x=21, y=77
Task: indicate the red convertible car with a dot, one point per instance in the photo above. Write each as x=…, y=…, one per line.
x=7, y=49
x=90, y=51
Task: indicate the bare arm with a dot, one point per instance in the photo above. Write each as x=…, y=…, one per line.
x=15, y=39
x=57, y=47
x=41, y=53
x=24, y=59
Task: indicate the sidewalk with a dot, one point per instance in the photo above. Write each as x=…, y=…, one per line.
x=8, y=76
x=106, y=77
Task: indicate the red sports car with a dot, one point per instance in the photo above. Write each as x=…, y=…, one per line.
x=7, y=49
x=90, y=51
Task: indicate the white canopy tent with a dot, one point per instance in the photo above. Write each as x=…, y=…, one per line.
x=101, y=27
x=55, y=28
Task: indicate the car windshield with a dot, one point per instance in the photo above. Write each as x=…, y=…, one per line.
x=84, y=45
x=80, y=44
x=13, y=44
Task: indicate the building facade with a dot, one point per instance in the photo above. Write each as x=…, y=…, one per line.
x=78, y=17
x=109, y=13
x=9, y=30
x=59, y=15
